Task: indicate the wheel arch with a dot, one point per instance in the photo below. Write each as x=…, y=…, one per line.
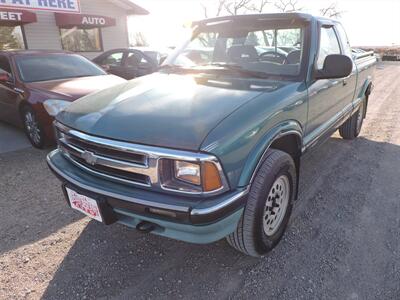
x=366, y=88
x=365, y=92
x=287, y=137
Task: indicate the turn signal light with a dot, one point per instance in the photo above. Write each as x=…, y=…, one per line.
x=211, y=178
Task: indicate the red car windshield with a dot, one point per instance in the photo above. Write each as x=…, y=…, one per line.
x=55, y=66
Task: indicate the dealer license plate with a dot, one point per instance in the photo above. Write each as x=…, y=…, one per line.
x=84, y=204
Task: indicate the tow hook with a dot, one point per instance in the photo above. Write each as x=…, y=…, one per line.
x=145, y=227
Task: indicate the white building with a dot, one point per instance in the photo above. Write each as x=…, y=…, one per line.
x=88, y=27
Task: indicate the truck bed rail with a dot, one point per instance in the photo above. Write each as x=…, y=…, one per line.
x=363, y=55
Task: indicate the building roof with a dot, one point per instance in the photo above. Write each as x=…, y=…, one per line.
x=131, y=8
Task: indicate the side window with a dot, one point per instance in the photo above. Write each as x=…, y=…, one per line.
x=114, y=59
x=5, y=65
x=136, y=59
x=133, y=59
x=344, y=39
x=328, y=44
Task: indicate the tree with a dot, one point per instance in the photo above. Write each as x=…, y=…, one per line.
x=7, y=39
x=287, y=5
x=331, y=11
x=258, y=6
x=219, y=9
x=139, y=39
x=237, y=6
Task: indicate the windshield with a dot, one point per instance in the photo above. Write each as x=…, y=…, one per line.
x=262, y=48
x=55, y=66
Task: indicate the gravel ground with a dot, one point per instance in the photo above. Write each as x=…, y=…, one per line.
x=343, y=240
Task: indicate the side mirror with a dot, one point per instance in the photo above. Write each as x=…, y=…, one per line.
x=335, y=66
x=5, y=77
x=105, y=67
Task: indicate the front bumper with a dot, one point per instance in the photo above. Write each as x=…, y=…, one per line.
x=191, y=219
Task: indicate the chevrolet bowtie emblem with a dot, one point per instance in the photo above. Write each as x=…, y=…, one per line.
x=89, y=157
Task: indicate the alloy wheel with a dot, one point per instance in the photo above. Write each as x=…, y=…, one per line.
x=32, y=127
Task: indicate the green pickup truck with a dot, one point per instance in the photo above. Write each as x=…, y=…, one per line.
x=210, y=145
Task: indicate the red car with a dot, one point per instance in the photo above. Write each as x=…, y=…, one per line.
x=36, y=85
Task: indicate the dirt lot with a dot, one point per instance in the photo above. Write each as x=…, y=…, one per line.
x=343, y=241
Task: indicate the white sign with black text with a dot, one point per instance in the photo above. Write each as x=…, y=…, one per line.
x=72, y=6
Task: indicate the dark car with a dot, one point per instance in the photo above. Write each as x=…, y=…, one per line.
x=36, y=85
x=158, y=55
x=129, y=63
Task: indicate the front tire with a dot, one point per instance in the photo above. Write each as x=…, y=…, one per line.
x=268, y=207
x=32, y=127
x=352, y=127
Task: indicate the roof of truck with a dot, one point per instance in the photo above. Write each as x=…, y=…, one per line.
x=260, y=17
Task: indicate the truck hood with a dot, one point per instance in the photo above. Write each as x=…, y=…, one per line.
x=74, y=88
x=167, y=110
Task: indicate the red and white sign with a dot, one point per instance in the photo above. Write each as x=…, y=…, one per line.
x=16, y=16
x=84, y=204
x=72, y=6
x=71, y=20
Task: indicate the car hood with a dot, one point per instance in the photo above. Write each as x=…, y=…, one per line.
x=75, y=88
x=167, y=110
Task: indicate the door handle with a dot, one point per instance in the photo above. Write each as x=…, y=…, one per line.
x=344, y=82
x=18, y=90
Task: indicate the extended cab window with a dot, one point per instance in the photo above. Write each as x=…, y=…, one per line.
x=328, y=44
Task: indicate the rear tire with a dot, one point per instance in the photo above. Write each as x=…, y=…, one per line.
x=268, y=206
x=352, y=127
x=32, y=127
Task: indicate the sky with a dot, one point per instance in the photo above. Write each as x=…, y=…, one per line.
x=367, y=22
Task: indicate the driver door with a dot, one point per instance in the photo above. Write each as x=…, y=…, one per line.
x=329, y=99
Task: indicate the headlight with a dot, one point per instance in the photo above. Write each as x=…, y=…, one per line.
x=53, y=106
x=187, y=172
x=192, y=177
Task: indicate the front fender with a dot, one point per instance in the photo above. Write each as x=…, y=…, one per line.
x=255, y=156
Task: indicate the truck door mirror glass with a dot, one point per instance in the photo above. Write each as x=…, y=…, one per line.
x=5, y=77
x=335, y=66
x=105, y=67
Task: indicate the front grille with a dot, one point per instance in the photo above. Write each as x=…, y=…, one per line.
x=128, y=163
x=107, y=152
x=120, y=174
x=106, y=158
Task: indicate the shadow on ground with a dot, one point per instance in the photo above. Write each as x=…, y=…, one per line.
x=114, y=261
x=12, y=138
x=31, y=200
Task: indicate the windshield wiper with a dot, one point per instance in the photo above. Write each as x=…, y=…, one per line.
x=239, y=69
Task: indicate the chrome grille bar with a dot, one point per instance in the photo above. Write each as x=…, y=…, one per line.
x=112, y=163
x=125, y=162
